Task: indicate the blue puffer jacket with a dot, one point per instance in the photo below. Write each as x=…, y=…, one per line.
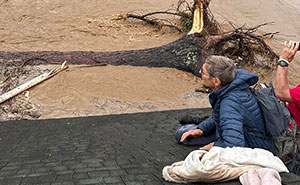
x=237, y=119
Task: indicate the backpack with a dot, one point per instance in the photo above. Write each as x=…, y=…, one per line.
x=276, y=115
x=277, y=121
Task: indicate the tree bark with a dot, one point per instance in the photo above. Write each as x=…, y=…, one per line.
x=183, y=54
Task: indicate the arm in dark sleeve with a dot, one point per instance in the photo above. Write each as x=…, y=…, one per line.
x=207, y=126
x=231, y=124
x=190, y=119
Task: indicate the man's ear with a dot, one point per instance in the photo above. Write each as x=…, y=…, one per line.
x=217, y=83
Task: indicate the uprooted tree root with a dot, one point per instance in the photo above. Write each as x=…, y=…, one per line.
x=244, y=45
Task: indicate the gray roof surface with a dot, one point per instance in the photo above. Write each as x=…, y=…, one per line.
x=128, y=149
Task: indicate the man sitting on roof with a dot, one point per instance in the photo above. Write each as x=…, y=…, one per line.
x=236, y=119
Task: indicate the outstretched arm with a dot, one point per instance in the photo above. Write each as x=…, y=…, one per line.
x=207, y=124
x=282, y=86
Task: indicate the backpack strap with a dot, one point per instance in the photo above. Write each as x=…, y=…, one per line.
x=251, y=129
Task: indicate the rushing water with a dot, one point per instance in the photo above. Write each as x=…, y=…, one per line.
x=87, y=25
x=68, y=25
x=284, y=14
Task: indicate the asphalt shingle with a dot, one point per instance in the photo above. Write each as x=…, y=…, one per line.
x=129, y=149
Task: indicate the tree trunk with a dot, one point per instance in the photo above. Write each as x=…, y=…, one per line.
x=183, y=54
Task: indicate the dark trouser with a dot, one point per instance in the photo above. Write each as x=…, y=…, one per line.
x=294, y=165
x=287, y=148
x=201, y=141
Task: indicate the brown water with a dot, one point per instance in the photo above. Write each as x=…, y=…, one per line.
x=68, y=25
x=284, y=14
x=27, y=25
x=116, y=89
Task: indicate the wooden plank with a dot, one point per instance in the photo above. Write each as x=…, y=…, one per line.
x=31, y=83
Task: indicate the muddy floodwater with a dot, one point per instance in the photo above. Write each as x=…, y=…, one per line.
x=56, y=25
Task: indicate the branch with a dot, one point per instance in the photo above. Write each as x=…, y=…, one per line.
x=150, y=21
x=251, y=30
x=154, y=21
x=165, y=12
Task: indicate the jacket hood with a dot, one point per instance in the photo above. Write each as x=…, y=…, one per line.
x=242, y=81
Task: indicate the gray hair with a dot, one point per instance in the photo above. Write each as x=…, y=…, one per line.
x=222, y=68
